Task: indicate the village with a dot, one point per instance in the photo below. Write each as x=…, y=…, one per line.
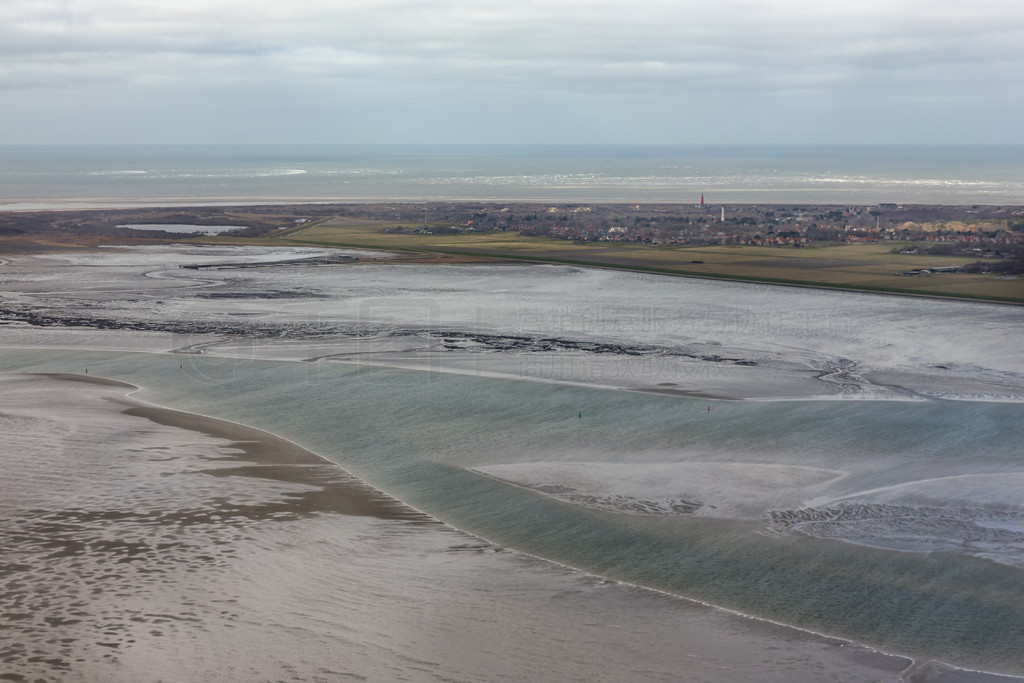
x=982, y=231
x=994, y=235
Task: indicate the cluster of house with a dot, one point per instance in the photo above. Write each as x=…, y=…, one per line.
x=1002, y=237
x=654, y=236
x=746, y=225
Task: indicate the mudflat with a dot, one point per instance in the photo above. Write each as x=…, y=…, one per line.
x=148, y=544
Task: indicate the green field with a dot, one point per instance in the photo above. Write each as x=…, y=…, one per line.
x=871, y=267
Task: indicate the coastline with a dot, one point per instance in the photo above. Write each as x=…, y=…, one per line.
x=850, y=258
x=315, y=493
x=147, y=543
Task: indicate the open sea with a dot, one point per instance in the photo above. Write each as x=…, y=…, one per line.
x=824, y=174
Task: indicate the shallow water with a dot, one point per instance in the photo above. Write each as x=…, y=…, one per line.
x=149, y=545
x=414, y=434
x=183, y=228
x=894, y=522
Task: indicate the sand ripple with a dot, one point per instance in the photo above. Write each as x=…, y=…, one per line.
x=120, y=527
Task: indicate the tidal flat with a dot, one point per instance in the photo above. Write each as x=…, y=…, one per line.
x=844, y=463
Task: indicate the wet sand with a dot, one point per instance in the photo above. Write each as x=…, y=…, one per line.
x=145, y=544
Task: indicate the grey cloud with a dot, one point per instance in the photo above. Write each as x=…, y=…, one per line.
x=669, y=53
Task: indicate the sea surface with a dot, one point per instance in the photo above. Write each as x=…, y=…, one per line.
x=824, y=174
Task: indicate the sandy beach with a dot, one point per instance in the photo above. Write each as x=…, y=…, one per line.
x=145, y=544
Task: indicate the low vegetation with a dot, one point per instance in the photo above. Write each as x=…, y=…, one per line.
x=884, y=249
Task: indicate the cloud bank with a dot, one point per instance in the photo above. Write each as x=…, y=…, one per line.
x=530, y=71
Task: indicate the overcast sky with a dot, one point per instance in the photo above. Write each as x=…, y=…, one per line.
x=646, y=71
